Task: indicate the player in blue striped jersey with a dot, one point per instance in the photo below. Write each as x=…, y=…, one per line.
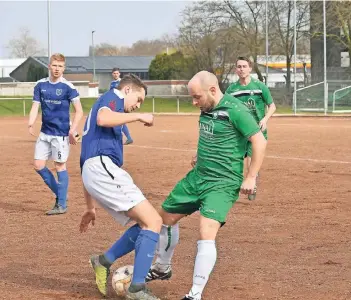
x=54, y=95
x=106, y=182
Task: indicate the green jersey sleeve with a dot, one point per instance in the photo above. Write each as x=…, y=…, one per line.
x=230, y=88
x=243, y=120
x=266, y=94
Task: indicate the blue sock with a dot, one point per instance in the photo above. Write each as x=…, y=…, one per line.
x=49, y=179
x=126, y=132
x=144, y=254
x=62, y=188
x=124, y=245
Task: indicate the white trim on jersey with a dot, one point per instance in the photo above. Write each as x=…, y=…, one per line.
x=118, y=93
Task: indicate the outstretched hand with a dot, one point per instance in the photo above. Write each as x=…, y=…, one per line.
x=87, y=218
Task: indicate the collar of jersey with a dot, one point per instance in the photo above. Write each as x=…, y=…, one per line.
x=60, y=80
x=118, y=93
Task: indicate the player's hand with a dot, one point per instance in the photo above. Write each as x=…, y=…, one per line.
x=87, y=218
x=263, y=124
x=147, y=119
x=248, y=186
x=31, y=130
x=193, y=161
x=72, y=138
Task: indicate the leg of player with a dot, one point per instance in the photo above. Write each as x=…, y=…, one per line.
x=62, y=187
x=145, y=245
x=141, y=237
x=127, y=134
x=169, y=238
x=42, y=153
x=205, y=258
x=60, y=152
x=46, y=174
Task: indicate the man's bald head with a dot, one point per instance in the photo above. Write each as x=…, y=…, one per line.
x=204, y=90
x=204, y=79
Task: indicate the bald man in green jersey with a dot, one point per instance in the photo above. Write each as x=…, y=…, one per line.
x=214, y=183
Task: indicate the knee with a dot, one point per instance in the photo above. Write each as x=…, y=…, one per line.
x=209, y=229
x=169, y=219
x=154, y=224
x=60, y=166
x=38, y=165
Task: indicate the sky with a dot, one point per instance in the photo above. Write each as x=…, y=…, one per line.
x=116, y=22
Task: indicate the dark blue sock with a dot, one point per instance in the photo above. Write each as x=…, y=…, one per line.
x=126, y=132
x=62, y=188
x=49, y=179
x=124, y=245
x=144, y=254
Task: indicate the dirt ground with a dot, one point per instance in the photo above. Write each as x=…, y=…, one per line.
x=293, y=242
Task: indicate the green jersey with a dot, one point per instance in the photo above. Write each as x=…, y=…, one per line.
x=224, y=133
x=255, y=96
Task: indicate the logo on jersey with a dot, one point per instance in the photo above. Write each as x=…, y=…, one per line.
x=58, y=92
x=112, y=105
x=206, y=129
x=251, y=104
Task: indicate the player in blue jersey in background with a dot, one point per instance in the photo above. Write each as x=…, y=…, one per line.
x=113, y=188
x=55, y=94
x=114, y=84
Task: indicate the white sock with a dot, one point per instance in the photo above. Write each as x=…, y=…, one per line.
x=204, y=263
x=169, y=238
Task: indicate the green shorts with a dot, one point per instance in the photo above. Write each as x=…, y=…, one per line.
x=249, y=146
x=212, y=199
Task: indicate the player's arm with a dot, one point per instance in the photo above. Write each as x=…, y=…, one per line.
x=194, y=160
x=77, y=116
x=89, y=214
x=33, y=114
x=258, y=151
x=268, y=100
x=259, y=144
x=108, y=118
x=73, y=96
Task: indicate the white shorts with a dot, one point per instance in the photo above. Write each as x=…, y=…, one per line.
x=50, y=146
x=112, y=187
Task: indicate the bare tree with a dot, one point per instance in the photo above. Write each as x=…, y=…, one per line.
x=105, y=49
x=247, y=17
x=208, y=39
x=141, y=47
x=150, y=47
x=25, y=45
x=282, y=29
x=338, y=24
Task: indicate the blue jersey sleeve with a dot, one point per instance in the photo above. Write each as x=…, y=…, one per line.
x=73, y=94
x=111, y=101
x=36, y=94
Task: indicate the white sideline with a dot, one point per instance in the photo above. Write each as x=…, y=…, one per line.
x=267, y=156
x=194, y=150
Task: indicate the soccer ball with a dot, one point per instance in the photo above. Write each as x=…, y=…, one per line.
x=121, y=279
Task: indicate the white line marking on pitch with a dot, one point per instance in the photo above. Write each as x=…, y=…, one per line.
x=268, y=156
x=311, y=125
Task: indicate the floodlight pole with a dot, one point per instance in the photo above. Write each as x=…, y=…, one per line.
x=92, y=42
x=295, y=54
x=49, y=29
x=325, y=59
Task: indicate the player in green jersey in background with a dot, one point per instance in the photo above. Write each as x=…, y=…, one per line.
x=213, y=185
x=256, y=96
